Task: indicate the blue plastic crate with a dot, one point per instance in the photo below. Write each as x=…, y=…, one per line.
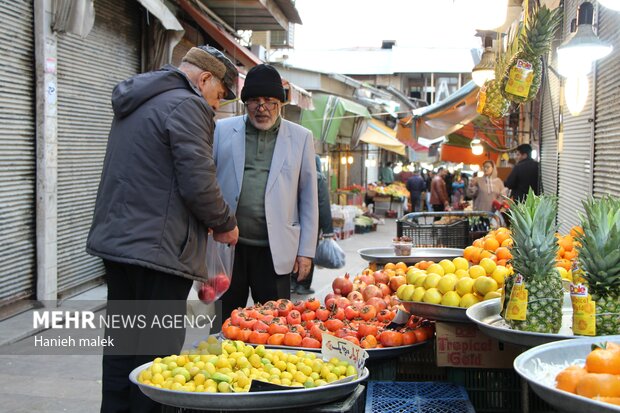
x=416, y=397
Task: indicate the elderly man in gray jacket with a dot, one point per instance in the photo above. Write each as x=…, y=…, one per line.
x=158, y=198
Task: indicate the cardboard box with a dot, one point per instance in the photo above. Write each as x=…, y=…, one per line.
x=463, y=345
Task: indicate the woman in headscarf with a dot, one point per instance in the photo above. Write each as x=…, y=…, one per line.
x=487, y=188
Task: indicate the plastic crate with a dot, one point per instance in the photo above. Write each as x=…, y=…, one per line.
x=420, y=364
x=454, y=235
x=495, y=390
x=417, y=397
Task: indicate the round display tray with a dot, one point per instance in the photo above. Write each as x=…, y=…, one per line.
x=486, y=315
x=436, y=312
x=386, y=254
x=552, y=358
x=247, y=401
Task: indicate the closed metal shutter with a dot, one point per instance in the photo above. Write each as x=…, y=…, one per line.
x=17, y=156
x=88, y=69
x=550, y=122
x=607, y=117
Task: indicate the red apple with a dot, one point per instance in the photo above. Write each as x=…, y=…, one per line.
x=220, y=283
x=206, y=293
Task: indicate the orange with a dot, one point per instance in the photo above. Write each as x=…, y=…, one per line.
x=487, y=254
x=478, y=243
x=491, y=244
x=566, y=243
x=568, y=378
x=401, y=265
x=566, y=264
x=576, y=231
x=389, y=266
x=604, y=360
x=507, y=243
x=503, y=253
x=502, y=262
x=502, y=234
x=599, y=384
x=468, y=252
x=560, y=253
x=570, y=255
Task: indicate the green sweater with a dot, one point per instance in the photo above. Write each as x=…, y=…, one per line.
x=259, y=147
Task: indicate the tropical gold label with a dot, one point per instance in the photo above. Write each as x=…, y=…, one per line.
x=517, y=306
x=584, y=311
x=482, y=99
x=520, y=79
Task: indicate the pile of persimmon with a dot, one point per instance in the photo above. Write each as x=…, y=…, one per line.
x=495, y=245
x=599, y=379
x=302, y=324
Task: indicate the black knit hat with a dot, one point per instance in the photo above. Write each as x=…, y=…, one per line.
x=263, y=81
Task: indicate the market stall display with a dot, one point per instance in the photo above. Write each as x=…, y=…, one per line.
x=541, y=365
x=384, y=255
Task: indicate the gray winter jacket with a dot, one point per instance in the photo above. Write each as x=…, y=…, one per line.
x=158, y=195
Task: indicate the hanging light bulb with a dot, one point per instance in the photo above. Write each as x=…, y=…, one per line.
x=350, y=160
x=611, y=4
x=476, y=145
x=343, y=160
x=576, y=93
x=584, y=47
x=576, y=68
x=485, y=69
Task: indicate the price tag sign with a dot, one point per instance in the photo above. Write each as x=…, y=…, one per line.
x=344, y=350
x=584, y=310
x=517, y=306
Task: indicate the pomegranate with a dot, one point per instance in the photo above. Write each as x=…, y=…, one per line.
x=381, y=277
x=342, y=302
x=385, y=290
x=331, y=299
x=377, y=302
x=367, y=279
x=355, y=296
x=371, y=291
x=206, y=293
x=343, y=286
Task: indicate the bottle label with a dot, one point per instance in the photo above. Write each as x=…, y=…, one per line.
x=482, y=99
x=520, y=79
x=517, y=306
x=584, y=311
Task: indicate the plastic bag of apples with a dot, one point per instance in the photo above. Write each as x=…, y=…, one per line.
x=219, y=269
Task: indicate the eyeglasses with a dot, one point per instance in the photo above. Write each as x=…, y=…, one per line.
x=254, y=105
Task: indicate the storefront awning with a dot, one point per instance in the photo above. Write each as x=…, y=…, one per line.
x=380, y=135
x=447, y=116
x=298, y=96
x=158, y=9
x=228, y=42
x=335, y=117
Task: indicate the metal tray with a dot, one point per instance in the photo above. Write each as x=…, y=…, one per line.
x=560, y=354
x=247, y=401
x=436, y=311
x=386, y=254
x=486, y=315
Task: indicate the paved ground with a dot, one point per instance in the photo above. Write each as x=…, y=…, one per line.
x=72, y=384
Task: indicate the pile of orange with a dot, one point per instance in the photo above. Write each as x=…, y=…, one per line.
x=567, y=253
x=495, y=245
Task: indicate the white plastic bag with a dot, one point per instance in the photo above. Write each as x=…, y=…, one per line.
x=220, y=259
x=329, y=254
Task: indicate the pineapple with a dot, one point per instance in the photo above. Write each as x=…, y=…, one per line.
x=534, y=250
x=599, y=259
x=535, y=40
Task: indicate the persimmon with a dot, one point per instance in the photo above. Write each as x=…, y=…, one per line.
x=333, y=324
x=352, y=339
x=260, y=326
x=598, y=384
x=308, y=315
x=369, y=342
x=294, y=317
x=231, y=332
x=277, y=327
x=247, y=323
x=322, y=313
x=409, y=338
x=276, y=339
x=312, y=304
x=310, y=342
x=292, y=339
x=244, y=334
x=258, y=337
x=368, y=312
x=603, y=359
x=390, y=338
x=568, y=378
x=364, y=330
x=297, y=328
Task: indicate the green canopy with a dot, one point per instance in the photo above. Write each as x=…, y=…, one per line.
x=334, y=117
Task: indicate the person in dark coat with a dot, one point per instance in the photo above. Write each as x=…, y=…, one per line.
x=415, y=185
x=524, y=175
x=326, y=228
x=157, y=200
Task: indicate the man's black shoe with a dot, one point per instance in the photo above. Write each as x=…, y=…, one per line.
x=303, y=290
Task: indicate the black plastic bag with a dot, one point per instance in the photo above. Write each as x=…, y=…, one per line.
x=329, y=254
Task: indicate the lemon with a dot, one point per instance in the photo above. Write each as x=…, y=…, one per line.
x=468, y=300
x=418, y=294
x=419, y=282
x=484, y=285
x=447, y=283
x=492, y=294
x=432, y=280
x=477, y=271
x=408, y=292
x=451, y=299
x=460, y=273
x=460, y=263
x=411, y=277
x=432, y=296
x=435, y=269
x=499, y=274
x=488, y=265
x=399, y=292
x=448, y=266
x=464, y=286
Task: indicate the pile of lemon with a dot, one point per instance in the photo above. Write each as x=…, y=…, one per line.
x=454, y=283
x=230, y=366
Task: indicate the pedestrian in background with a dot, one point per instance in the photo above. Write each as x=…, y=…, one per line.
x=486, y=189
x=458, y=190
x=439, y=193
x=524, y=175
x=326, y=228
x=267, y=171
x=415, y=185
x=157, y=200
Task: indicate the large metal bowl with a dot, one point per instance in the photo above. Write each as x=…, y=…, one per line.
x=384, y=255
x=558, y=354
x=486, y=315
x=248, y=401
x=436, y=312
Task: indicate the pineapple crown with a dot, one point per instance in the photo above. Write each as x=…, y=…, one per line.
x=599, y=253
x=533, y=233
x=539, y=31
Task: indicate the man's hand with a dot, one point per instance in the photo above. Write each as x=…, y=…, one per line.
x=229, y=237
x=302, y=267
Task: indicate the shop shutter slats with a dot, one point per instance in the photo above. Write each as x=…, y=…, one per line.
x=17, y=157
x=88, y=69
x=549, y=143
x=607, y=120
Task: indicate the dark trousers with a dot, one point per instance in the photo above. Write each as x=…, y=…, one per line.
x=134, y=290
x=253, y=270
x=438, y=208
x=415, y=202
